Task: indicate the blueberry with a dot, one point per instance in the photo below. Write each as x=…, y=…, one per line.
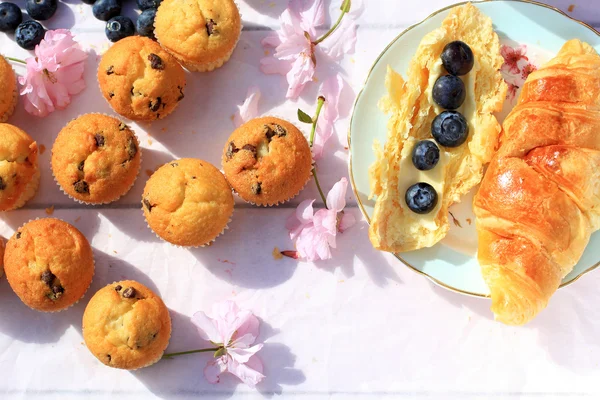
x=449, y=92
x=29, y=34
x=10, y=17
x=118, y=28
x=425, y=155
x=450, y=129
x=41, y=9
x=145, y=23
x=106, y=9
x=457, y=58
x=146, y=4
x=421, y=198
x=89, y=1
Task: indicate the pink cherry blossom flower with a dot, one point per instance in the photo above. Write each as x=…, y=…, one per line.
x=294, y=43
x=315, y=233
x=235, y=331
x=512, y=91
x=331, y=91
x=527, y=70
x=249, y=109
x=54, y=74
x=512, y=56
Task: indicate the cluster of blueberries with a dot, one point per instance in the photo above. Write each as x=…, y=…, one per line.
x=30, y=33
x=449, y=129
x=119, y=26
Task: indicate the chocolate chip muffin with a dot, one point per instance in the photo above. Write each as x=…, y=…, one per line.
x=140, y=80
x=126, y=325
x=8, y=90
x=187, y=202
x=96, y=159
x=201, y=34
x=49, y=264
x=267, y=161
x=19, y=172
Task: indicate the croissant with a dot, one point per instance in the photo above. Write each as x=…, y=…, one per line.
x=539, y=201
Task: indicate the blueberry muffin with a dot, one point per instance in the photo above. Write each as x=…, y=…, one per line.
x=49, y=264
x=201, y=34
x=96, y=159
x=19, y=172
x=126, y=325
x=267, y=161
x=187, y=202
x=140, y=80
x=8, y=90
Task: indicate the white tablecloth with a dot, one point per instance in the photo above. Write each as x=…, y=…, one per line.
x=358, y=326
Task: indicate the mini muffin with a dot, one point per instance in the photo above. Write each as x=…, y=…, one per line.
x=201, y=34
x=19, y=173
x=126, y=325
x=140, y=80
x=96, y=159
x=187, y=202
x=267, y=161
x=8, y=90
x=49, y=264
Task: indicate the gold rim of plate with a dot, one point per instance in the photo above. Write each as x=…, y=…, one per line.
x=356, y=194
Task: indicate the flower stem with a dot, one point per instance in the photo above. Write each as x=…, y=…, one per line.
x=16, y=60
x=171, y=355
x=320, y=103
x=345, y=8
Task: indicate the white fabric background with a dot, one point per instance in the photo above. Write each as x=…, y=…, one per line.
x=358, y=326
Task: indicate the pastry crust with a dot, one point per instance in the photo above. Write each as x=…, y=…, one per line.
x=540, y=199
x=394, y=227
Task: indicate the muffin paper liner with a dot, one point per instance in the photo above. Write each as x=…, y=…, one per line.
x=152, y=362
x=125, y=192
x=209, y=66
x=86, y=289
x=312, y=163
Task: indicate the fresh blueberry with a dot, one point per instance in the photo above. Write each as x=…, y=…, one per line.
x=41, y=9
x=146, y=4
x=457, y=58
x=29, y=34
x=449, y=92
x=425, y=155
x=106, y=9
x=145, y=23
x=450, y=129
x=89, y=1
x=421, y=198
x=118, y=28
x=10, y=17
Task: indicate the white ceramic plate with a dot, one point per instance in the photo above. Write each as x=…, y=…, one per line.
x=452, y=263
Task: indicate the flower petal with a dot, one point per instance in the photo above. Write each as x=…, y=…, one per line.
x=248, y=110
x=336, y=198
x=250, y=373
x=249, y=327
x=214, y=368
x=346, y=222
x=242, y=355
x=207, y=328
x=300, y=218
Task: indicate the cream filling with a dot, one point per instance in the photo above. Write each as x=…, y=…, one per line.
x=436, y=177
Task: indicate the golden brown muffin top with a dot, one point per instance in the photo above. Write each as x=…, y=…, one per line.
x=49, y=264
x=96, y=158
x=18, y=164
x=187, y=202
x=8, y=87
x=198, y=31
x=267, y=161
x=126, y=325
x=140, y=80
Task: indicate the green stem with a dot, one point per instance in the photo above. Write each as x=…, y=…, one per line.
x=345, y=8
x=320, y=103
x=171, y=355
x=16, y=60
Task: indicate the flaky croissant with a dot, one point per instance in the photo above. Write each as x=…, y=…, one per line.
x=539, y=201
